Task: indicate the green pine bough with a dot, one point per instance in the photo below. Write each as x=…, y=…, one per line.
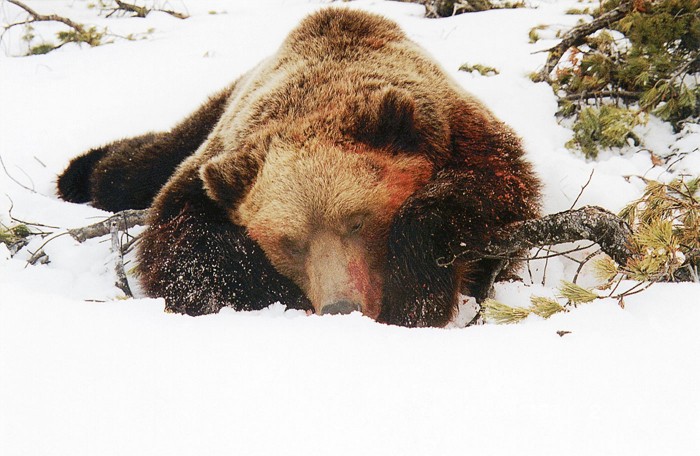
x=633, y=59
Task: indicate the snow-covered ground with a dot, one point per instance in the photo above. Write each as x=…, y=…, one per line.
x=83, y=372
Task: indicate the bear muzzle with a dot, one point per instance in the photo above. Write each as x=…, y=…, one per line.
x=340, y=281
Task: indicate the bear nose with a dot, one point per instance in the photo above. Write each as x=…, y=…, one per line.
x=339, y=308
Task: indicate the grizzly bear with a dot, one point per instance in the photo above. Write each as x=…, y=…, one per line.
x=340, y=174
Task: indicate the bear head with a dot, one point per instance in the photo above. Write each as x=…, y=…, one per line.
x=322, y=209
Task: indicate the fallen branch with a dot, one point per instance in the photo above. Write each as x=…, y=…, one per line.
x=446, y=8
x=142, y=11
x=123, y=220
x=36, y=17
x=591, y=223
x=139, y=11
x=577, y=36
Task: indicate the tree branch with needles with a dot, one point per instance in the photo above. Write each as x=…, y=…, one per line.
x=78, y=33
x=577, y=36
x=36, y=17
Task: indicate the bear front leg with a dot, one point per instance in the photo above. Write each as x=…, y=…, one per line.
x=417, y=290
x=456, y=211
x=200, y=265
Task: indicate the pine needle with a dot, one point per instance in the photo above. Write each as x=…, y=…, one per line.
x=503, y=314
x=483, y=70
x=545, y=307
x=657, y=235
x=576, y=293
x=605, y=269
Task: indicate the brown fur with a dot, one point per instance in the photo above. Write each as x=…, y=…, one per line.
x=343, y=169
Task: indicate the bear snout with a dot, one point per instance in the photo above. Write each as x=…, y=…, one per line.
x=339, y=279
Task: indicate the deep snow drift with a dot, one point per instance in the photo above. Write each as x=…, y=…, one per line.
x=83, y=372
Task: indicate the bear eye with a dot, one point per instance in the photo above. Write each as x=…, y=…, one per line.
x=293, y=247
x=357, y=224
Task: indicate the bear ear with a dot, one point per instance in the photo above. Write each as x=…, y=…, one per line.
x=226, y=178
x=390, y=119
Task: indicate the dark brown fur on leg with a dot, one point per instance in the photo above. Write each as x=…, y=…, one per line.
x=127, y=174
x=447, y=216
x=194, y=257
x=483, y=274
x=220, y=266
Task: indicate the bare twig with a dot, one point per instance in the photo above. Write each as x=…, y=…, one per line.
x=566, y=253
x=583, y=262
x=548, y=248
x=551, y=253
x=122, y=282
x=546, y=264
x=15, y=219
x=2, y=163
x=633, y=290
x=130, y=243
x=590, y=177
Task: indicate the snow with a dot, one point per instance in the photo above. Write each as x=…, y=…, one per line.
x=84, y=372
